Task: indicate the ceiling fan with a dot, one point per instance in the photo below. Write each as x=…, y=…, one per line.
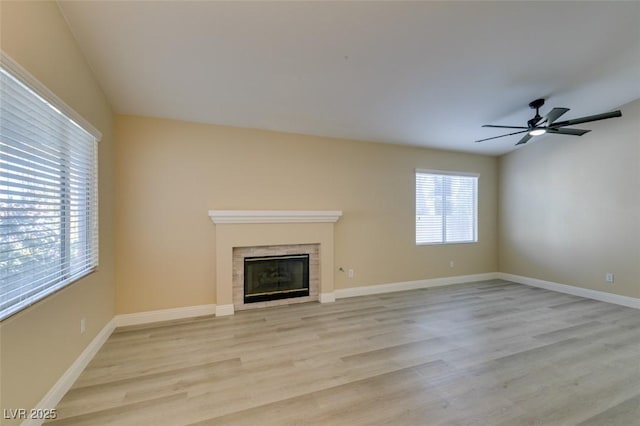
x=540, y=125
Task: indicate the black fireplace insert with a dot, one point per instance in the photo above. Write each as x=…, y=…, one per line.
x=275, y=277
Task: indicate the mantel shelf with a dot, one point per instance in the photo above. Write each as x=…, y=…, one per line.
x=274, y=216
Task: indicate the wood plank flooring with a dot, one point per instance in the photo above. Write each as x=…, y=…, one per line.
x=487, y=353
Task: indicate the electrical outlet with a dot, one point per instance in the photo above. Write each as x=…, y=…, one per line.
x=83, y=326
x=609, y=277
x=350, y=274
x=451, y=264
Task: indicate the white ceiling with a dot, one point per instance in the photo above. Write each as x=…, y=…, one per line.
x=417, y=73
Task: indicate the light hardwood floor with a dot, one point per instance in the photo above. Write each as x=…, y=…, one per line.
x=488, y=353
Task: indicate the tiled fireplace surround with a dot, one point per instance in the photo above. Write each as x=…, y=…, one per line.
x=239, y=253
x=241, y=233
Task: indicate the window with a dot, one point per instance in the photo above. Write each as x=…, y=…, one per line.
x=446, y=207
x=48, y=192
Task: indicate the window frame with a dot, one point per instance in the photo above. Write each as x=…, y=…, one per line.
x=90, y=228
x=437, y=172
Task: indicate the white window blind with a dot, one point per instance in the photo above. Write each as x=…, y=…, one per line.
x=48, y=196
x=446, y=207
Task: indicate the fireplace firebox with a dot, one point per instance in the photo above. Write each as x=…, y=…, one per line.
x=275, y=277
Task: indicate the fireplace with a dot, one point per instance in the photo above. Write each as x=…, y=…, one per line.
x=252, y=233
x=275, y=277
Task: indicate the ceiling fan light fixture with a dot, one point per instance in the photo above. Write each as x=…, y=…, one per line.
x=537, y=132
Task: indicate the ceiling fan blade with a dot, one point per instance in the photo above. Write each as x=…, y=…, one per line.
x=502, y=136
x=587, y=119
x=565, y=131
x=505, y=127
x=555, y=113
x=524, y=139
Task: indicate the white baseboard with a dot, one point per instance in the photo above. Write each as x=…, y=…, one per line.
x=164, y=315
x=631, y=302
x=223, y=310
x=412, y=285
x=64, y=383
x=327, y=297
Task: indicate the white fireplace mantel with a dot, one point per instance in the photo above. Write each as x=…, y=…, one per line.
x=274, y=216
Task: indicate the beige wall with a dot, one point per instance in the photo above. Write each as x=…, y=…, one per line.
x=570, y=207
x=38, y=344
x=170, y=173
